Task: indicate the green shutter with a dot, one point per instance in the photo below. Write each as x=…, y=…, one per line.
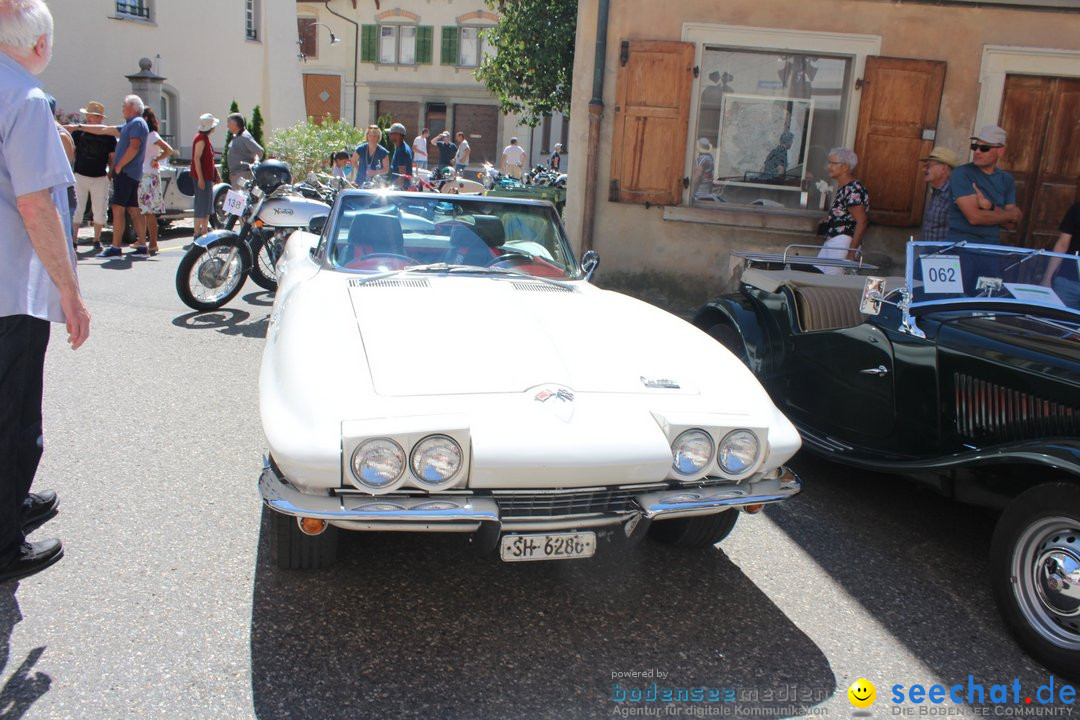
x=450, y=45
x=424, y=40
x=369, y=43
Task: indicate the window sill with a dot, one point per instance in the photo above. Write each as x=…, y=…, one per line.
x=134, y=19
x=782, y=219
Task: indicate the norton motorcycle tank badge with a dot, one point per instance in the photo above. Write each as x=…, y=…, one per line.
x=660, y=383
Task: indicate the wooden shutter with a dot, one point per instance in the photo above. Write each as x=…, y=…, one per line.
x=369, y=43
x=449, y=49
x=900, y=103
x=652, y=111
x=424, y=41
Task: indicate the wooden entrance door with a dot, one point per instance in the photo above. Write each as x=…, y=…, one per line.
x=480, y=123
x=897, y=121
x=1040, y=114
x=322, y=96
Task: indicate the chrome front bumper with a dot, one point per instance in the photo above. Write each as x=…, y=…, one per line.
x=465, y=513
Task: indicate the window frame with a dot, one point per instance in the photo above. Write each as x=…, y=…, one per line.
x=140, y=10
x=252, y=13
x=756, y=39
x=397, y=43
x=480, y=43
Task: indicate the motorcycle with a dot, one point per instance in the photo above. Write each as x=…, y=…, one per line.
x=215, y=268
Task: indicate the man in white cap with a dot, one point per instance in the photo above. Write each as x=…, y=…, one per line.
x=38, y=284
x=513, y=160
x=937, y=169
x=984, y=195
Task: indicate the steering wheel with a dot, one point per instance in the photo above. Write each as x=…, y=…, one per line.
x=512, y=256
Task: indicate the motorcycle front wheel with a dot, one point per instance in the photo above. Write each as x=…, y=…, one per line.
x=207, y=278
x=218, y=217
x=264, y=267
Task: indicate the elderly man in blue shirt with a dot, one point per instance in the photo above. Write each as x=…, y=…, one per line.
x=937, y=168
x=37, y=277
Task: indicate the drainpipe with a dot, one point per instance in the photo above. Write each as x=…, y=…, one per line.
x=355, y=56
x=596, y=111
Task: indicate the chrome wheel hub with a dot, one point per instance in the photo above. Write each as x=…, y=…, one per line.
x=1046, y=579
x=212, y=272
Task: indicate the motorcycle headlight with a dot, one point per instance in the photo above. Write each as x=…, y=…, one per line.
x=738, y=452
x=378, y=463
x=436, y=460
x=691, y=452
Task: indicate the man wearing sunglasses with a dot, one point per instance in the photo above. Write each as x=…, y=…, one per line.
x=984, y=195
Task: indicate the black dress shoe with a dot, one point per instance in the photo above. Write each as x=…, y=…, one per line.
x=32, y=557
x=38, y=508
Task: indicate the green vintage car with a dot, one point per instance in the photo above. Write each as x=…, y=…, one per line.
x=965, y=374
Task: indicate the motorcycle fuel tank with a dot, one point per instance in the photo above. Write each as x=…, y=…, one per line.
x=291, y=211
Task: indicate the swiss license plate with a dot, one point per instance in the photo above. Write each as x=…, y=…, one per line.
x=547, y=546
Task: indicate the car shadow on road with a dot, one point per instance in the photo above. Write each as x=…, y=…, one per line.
x=227, y=321
x=414, y=625
x=24, y=687
x=915, y=560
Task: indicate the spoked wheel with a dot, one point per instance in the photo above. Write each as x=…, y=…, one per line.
x=264, y=266
x=1035, y=574
x=207, y=278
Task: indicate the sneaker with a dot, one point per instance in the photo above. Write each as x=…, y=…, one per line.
x=110, y=252
x=139, y=250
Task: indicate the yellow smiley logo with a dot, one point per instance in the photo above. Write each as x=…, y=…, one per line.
x=862, y=693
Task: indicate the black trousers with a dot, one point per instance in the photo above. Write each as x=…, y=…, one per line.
x=23, y=340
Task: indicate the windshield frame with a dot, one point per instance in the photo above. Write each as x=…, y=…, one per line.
x=331, y=232
x=923, y=306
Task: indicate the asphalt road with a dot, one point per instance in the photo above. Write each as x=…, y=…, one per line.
x=166, y=604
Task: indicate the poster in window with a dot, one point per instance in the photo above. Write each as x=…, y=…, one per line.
x=763, y=141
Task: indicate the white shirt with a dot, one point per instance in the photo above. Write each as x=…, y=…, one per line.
x=152, y=151
x=462, y=157
x=419, y=146
x=514, y=155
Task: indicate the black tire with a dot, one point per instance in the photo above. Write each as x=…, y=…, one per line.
x=263, y=264
x=293, y=550
x=193, y=270
x=694, y=532
x=1038, y=532
x=218, y=216
x=727, y=336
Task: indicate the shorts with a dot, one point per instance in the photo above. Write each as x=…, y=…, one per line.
x=203, y=199
x=125, y=191
x=150, y=200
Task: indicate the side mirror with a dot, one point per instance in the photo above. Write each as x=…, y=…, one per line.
x=590, y=261
x=872, y=296
x=317, y=224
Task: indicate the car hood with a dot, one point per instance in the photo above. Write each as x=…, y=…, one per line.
x=1046, y=347
x=426, y=336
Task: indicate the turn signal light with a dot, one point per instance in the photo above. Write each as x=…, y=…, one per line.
x=258, y=222
x=751, y=509
x=311, y=526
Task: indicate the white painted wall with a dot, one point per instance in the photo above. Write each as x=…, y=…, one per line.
x=198, y=45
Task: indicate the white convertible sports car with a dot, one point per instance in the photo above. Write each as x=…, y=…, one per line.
x=442, y=363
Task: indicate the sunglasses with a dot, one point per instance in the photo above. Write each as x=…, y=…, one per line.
x=983, y=148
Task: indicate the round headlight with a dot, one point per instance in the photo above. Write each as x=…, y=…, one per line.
x=691, y=452
x=378, y=463
x=738, y=452
x=436, y=459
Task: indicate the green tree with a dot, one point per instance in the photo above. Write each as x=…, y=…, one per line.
x=308, y=145
x=225, y=149
x=533, y=64
x=255, y=127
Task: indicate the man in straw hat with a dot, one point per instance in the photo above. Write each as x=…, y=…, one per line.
x=937, y=168
x=92, y=153
x=37, y=278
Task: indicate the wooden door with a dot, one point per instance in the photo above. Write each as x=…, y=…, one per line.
x=322, y=96
x=480, y=123
x=897, y=117
x=1042, y=117
x=652, y=110
x=406, y=113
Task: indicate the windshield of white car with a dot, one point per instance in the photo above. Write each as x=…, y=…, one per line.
x=946, y=275
x=389, y=232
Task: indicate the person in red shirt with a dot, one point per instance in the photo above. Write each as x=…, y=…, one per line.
x=203, y=172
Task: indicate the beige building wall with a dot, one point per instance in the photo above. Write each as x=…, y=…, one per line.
x=978, y=43
x=199, y=46
x=420, y=83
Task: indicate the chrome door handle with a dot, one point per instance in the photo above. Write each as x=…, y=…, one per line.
x=879, y=371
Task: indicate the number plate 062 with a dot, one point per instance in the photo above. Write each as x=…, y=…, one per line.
x=548, y=546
